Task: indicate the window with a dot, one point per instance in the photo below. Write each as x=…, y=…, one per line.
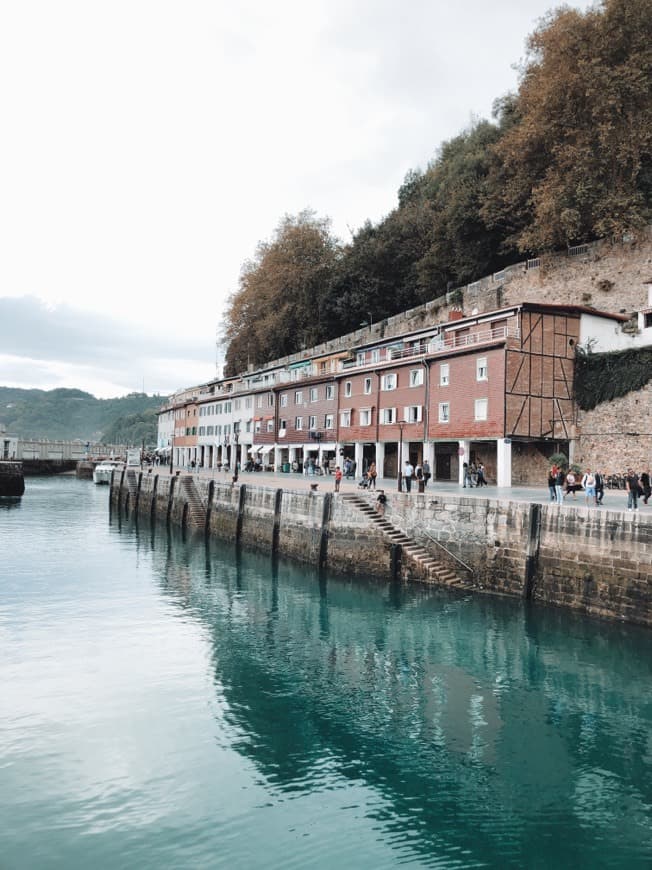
x=388, y=415
x=444, y=375
x=236, y=404
x=249, y=403
x=270, y=400
x=312, y=422
x=444, y=412
x=481, y=409
x=210, y=430
x=298, y=423
x=248, y=426
x=416, y=377
x=202, y=430
x=367, y=386
x=283, y=424
x=227, y=407
x=257, y=426
x=375, y=355
x=284, y=400
x=345, y=418
x=347, y=389
x=388, y=382
x=259, y=402
x=413, y=413
x=360, y=358
x=298, y=397
x=328, y=421
x=314, y=394
x=481, y=371
x=365, y=416
x=330, y=391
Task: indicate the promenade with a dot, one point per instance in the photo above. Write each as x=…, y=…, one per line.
x=614, y=499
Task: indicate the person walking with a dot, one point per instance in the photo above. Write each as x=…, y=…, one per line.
x=372, y=474
x=588, y=483
x=599, y=487
x=426, y=472
x=552, y=483
x=482, y=480
x=646, y=485
x=466, y=477
x=570, y=484
x=559, y=486
x=632, y=487
x=338, y=478
x=408, y=471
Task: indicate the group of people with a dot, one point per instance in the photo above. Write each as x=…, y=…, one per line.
x=418, y=472
x=474, y=475
x=562, y=484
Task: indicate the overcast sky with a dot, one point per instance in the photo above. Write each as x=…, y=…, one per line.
x=147, y=148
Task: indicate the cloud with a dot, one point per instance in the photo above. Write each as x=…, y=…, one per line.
x=55, y=346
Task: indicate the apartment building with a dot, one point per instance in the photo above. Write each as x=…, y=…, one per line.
x=494, y=388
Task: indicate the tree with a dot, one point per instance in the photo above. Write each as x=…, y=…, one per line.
x=575, y=162
x=279, y=306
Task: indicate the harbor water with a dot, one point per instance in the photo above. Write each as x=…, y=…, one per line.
x=167, y=703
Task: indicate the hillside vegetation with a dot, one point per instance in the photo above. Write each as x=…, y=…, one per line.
x=566, y=159
x=70, y=414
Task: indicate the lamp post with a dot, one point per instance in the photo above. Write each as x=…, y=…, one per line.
x=236, y=439
x=399, y=476
x=171, y=444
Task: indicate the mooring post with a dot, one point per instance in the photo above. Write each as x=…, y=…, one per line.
x=395, y=557
x=170, y=498
x=152, y=507
x=278, y=499
x=532, y=550
x=140, y=483
x=209, y=507
x=325, y=522
x=241, y=506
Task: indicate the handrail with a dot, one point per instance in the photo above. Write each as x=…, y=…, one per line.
x=448, y=552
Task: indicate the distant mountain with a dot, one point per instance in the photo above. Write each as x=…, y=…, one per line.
x=70, y=414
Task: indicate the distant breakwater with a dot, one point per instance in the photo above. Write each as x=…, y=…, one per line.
x=596, y=562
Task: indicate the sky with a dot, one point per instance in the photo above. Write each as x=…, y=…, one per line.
x=148, y=147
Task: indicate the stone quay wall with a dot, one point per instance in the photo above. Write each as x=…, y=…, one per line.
x=593, y=561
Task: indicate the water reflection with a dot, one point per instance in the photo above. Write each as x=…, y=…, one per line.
x=488, y=729
x=172, y=703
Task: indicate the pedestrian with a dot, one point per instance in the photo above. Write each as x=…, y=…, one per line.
x=408, y=471
x=599, y=487
x=466, y=476
x=570, y=485
x=559, y=486
x=588, y=483
x=632, y=487
x=552, y=482
x=381, y=502
x=426, y=472
x=482, y=480
x=646, y=485
x=372, y=474
x=338, y=478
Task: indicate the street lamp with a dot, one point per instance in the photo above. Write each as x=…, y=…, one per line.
x=236, y=439
x=399, y=476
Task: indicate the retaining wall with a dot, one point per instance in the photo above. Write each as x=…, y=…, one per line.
x=588, y=559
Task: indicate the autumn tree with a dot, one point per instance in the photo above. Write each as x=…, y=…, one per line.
x=575, y=162
x=279, y=306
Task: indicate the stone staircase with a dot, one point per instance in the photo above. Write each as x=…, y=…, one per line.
x=424, y=565
x=196, y=516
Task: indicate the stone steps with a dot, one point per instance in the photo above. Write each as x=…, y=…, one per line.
x=426, y=564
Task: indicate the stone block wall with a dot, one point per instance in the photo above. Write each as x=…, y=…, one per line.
x=606, y=442
x=587, y=559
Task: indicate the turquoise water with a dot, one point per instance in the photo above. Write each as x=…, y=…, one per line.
x=165, y=704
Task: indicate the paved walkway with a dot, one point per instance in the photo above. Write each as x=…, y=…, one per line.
x=614, y=499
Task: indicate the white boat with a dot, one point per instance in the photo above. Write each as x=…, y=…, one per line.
x=102, y=472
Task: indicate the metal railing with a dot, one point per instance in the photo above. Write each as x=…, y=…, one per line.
x=448, y=552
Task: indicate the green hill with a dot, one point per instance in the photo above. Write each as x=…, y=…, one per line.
x=69, y=414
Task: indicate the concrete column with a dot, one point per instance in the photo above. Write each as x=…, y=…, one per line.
x=380, y=458
x=277, y=458
x=292, y=455
x=359, y=451
x=504, y=462
x=242, y=449
x=464, y=457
